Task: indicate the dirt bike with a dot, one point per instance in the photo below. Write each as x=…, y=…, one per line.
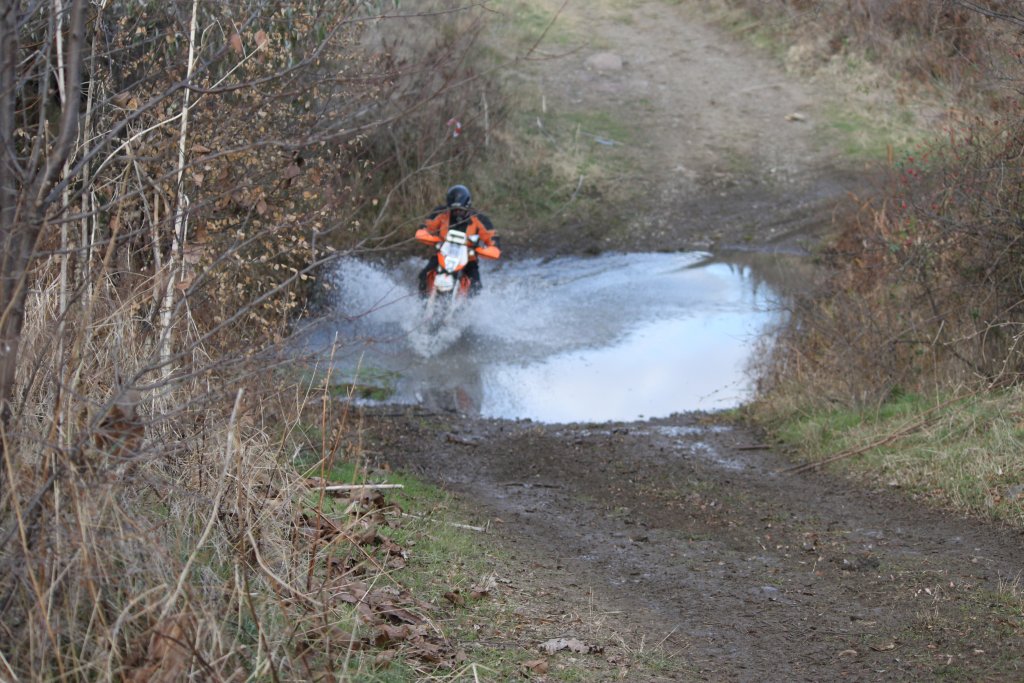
x=447, y=285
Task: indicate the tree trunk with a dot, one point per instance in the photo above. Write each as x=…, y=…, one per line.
x=26, y=181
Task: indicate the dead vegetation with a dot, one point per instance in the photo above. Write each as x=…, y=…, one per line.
x=902, y=365
x=175, y=178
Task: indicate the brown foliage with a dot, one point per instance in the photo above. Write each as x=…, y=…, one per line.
x=962, y=45
x=926, y=288
x=145, y=490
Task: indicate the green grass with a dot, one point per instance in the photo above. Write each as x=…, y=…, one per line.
x=967, y=454
x=860, y=135
x=443, y=556
x=526, y=22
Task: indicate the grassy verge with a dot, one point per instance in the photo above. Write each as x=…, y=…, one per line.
x=964, y=453
x=431, y=551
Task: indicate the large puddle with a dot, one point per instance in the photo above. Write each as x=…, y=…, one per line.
x=613, y=337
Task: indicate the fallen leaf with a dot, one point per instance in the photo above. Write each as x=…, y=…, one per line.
x=537, y=666
x=848, y=653
x=456, y=598
x=885, y=647
x=236, y=44
x=572, y=644
x=261, y=39
x=387, y=634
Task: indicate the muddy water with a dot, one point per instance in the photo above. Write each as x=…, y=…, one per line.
x=611, y=337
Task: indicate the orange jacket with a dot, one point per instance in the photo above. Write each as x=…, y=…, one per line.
x=478, y=224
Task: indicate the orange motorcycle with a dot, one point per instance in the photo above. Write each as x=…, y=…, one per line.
x=447, y=285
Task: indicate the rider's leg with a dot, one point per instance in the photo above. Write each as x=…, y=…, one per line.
x=431, y=266
x=472, y=271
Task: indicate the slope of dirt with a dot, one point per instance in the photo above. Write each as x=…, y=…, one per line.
x=722, y=149
x=680, y=547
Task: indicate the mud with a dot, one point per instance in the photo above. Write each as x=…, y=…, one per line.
x=681, y=546
x=690, y=532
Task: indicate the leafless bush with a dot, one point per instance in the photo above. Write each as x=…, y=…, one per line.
x=927, y=289
x=175, y=176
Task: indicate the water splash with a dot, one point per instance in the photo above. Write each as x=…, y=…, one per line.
x=568, y=339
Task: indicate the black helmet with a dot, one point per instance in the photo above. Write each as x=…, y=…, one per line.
x=458, y=197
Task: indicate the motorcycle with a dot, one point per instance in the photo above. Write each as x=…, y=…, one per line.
x=447, y=285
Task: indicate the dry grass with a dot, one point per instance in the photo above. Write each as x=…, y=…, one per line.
x=151, y=530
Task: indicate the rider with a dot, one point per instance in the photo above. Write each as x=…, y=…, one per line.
x=455, y=213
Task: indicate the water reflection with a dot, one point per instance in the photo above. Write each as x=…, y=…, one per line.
x=613, y=337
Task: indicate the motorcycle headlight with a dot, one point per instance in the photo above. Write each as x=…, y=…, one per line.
x=444, y=282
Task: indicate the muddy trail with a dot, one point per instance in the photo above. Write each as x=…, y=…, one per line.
x=680, y=547
x=688, y=535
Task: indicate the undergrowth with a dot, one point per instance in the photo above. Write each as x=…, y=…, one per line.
x=905, y=364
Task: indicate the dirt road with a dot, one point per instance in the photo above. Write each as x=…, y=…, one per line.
x=680, y=546
x=687, y=537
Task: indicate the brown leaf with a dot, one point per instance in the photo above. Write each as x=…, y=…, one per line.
x=261, y=207
x=292, y=171
x=367, y=615
x=363, y=535
x=351, y=591
x=261, y=39
x=167, y=660
x=456, y=598
x=185, y=282
x=384, y=658
x=397, y=614
x=430, y=652
x=235, y=42
x=537, y=666
x=387, y=634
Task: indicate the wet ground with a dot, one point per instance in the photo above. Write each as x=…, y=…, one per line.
x=689, y=532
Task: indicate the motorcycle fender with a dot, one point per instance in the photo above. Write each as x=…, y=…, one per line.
x=488, y=252
x=422, y=235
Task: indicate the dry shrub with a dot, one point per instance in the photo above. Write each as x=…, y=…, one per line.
x=151, y=521
x=964, y=47
x=447, y=108
x=164, y=534
x=926, y=288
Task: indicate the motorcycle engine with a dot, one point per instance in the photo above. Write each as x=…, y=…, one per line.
x=444, y=282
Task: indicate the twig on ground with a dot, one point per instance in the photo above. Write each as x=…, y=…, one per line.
x=457, y=525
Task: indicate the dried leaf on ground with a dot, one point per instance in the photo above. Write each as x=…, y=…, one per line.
x=572, y=644
x=167, y=658
x=537, y=666
x=387, y=634
x=456, y=598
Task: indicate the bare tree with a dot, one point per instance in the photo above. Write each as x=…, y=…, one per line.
x=35, y=143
